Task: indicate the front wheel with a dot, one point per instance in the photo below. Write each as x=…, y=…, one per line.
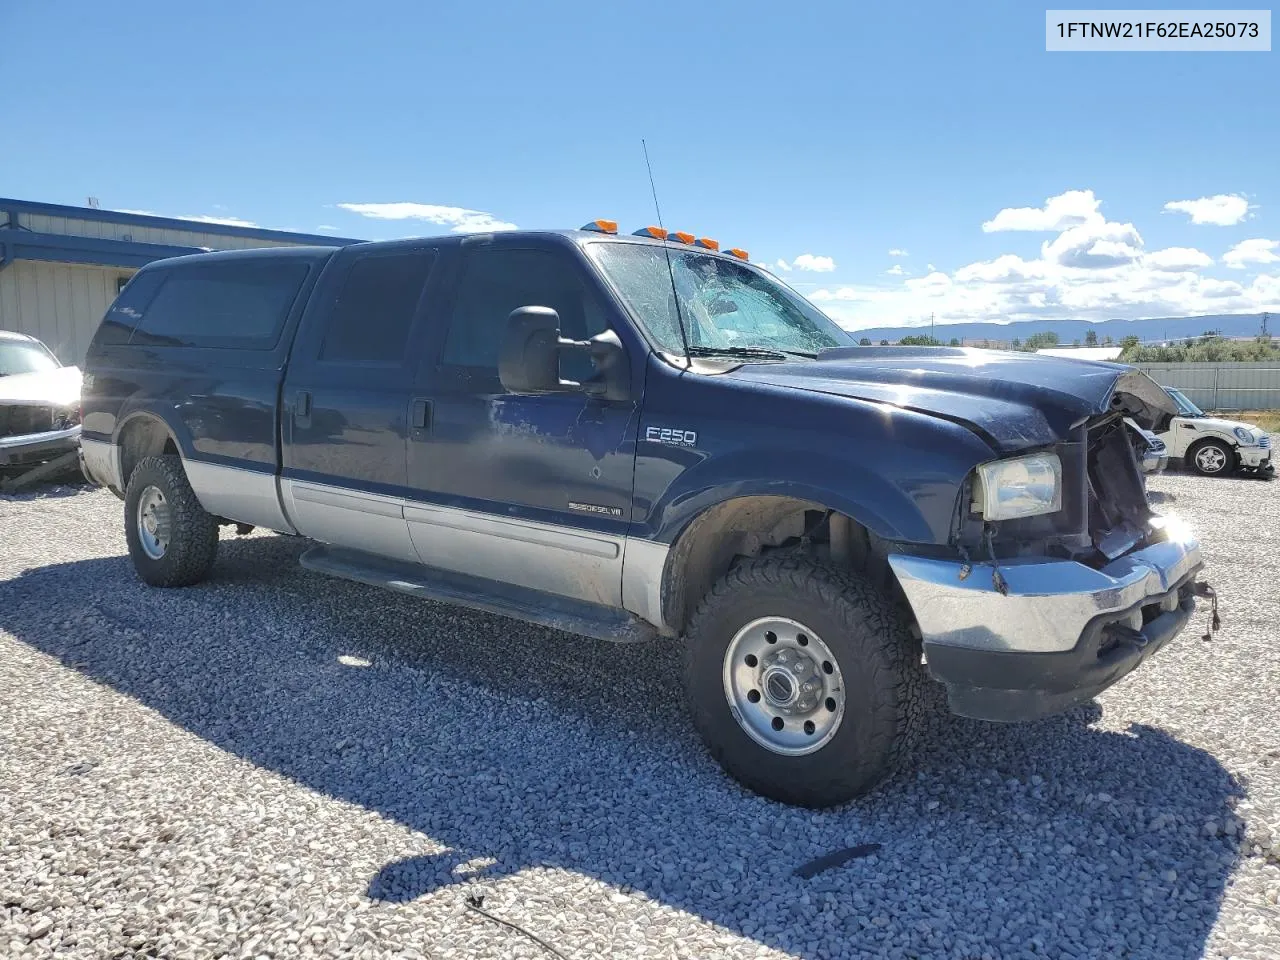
x=1212, y=458
x=172, y=540
x=802, y=681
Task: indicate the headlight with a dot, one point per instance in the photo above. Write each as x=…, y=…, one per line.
x=1021, y=487
x=1245, y=436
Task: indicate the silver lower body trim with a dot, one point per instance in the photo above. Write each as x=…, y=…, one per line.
x=234, y=493
x=101, y=462
x=1049, y=602
x=343, y=517
x=644, y=563
x=567, y=561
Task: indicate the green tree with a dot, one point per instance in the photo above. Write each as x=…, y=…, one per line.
x=1108, y=342
x=955, y=342
x=864, y=342
x=923, y=340
x=1130, y=342
x=1016, y=344
x=1091, y=338
x=1038, y=341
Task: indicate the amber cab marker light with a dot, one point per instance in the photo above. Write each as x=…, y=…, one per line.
x=708, y=243
x=602, y=226
x=739, y=253
x=679, y=236
x=656, y=233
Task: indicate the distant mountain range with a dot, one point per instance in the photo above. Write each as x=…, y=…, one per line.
x=1068, y=331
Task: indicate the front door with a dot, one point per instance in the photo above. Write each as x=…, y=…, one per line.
x=346, y=401
x=528, y=490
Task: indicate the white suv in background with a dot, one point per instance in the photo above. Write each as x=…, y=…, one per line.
x=1215, y=447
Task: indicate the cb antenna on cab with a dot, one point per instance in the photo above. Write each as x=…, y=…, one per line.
x=671, y=273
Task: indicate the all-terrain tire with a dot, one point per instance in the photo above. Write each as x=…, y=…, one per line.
x=877, y=659
x=191, y=535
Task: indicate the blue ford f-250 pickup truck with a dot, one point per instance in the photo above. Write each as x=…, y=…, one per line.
x=628, y=437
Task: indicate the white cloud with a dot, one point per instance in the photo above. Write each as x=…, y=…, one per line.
x=930, y=267
x=815, y=264
x=783, y=265
x=1068, y=209
x=897, y=271
x=1220, y=210
x=457, y=219
x=225, y=221
x=326, y=227
x=1094, y=244
x=897, y=252
x=1091, y=269
x=140, y=213
x=1177, y=258
x=1252, y=251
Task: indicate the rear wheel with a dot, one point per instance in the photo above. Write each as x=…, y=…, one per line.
x=172, y=541
x=802, y=681
x=1211, y=458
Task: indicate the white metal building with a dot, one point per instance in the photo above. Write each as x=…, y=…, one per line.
x=61, y=266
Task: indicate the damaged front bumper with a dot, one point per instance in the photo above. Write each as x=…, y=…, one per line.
x=33, y=448
x=1057, y=634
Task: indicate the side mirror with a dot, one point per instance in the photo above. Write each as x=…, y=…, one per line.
x=529, y=359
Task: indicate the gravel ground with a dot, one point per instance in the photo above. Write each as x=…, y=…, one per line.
x=277, y=764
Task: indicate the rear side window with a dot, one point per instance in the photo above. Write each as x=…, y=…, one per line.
x=235, y=304
x=495, y=282
x=123, y=315
x=374, y=312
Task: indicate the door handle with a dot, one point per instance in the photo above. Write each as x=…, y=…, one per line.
x=420, y=418
x=302, y=404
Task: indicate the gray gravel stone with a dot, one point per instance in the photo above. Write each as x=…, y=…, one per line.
x=277, y=764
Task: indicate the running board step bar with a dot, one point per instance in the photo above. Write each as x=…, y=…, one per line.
x=491, y=596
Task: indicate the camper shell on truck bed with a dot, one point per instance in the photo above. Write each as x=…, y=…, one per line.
x=639, y=437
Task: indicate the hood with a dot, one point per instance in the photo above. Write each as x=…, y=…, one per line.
x=60, y=387
x=1014, y=400
x=1227, y=427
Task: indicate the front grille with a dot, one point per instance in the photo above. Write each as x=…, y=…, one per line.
x=17, y=420
x=1265, y=442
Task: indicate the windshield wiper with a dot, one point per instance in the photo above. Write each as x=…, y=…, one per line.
x=748, y=353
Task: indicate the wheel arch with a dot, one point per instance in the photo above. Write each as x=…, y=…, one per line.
x=746, y=526
x=140, y=435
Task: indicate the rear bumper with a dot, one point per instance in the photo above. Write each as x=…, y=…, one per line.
x=1061, y=634
x=33, y=448
x=98, y=462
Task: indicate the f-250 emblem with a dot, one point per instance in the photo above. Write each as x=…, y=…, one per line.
x=677, y=438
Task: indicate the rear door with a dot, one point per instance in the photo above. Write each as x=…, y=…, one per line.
x=528, y=490
x=346, y=399
x=201, y=344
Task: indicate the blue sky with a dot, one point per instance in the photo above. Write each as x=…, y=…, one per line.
x=835, y=130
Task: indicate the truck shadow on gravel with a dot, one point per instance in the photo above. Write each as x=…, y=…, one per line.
x=538, y=750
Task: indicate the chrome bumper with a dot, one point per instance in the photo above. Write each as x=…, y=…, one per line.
x=1049, y=603
x=31, y=446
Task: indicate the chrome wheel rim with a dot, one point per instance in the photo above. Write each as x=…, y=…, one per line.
x=1211, y=459
x=153, y=522
x=784, y=686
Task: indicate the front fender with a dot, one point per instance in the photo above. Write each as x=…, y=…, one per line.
x=919, y=511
